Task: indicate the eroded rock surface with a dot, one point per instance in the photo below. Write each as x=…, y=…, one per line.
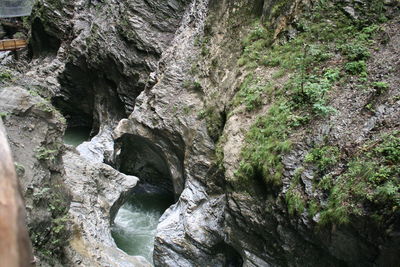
x=159, y=83
x=96, y=187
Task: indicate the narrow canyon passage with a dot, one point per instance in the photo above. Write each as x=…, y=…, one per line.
x=135, y=224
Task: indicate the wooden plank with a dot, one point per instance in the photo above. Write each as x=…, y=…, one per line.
x=12, y=44
x=15, y=247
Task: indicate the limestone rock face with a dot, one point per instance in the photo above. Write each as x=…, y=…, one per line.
x=35, y=131
x=157, y=82
x=191, y=230
x=96, y=187
x=89, y=191
x=32, y=124
x=256, y=229
x=104, y=52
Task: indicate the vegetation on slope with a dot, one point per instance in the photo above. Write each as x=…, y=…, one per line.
x=323, y=53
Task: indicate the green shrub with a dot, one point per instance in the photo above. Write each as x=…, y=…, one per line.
x=380, y=87
x=356, y=68
x=371, y=180
x=43, y=153
x=50, y=237
x=355, y=51
x=295, y=202
x=5, y=76
x=323, y=157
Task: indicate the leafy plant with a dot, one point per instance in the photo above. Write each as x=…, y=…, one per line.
x=323, y=157
x=4, y=115
x=5, y=76
x=356, y=68
x=380, y=87
x=49, y=237
x=355, y=51
x=43, y=153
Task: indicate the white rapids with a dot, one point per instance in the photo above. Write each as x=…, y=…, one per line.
x=135, y=225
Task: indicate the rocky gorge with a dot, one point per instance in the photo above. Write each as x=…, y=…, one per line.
x=273, y=124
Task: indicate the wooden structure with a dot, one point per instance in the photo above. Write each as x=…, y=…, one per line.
x=15, y=8
x=12, y=44
x=15, y=246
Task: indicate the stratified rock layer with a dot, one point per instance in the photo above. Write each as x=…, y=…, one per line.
x=172, y=66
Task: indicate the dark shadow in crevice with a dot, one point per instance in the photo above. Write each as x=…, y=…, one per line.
x=42, y=42
x=76, y=99
x=138, y=156
x=260, y=187
x=88, y=98
x=230, y=257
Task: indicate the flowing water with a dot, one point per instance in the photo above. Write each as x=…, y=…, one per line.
x=76, y=136
x=135, y=224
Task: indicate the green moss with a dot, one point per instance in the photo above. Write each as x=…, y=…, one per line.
x=326, y=182
x=19, y=169
x=46, y=154
x=251, y=93
x=46, y=107
x=266, y=141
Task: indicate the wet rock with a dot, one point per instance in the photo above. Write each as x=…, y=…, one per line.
x=97, y=149
x=96, y=187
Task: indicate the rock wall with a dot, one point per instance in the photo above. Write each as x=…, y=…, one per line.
x=254, y=219
x=184, y=91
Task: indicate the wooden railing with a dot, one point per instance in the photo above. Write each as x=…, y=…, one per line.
x=15, y=246
x=12, y=44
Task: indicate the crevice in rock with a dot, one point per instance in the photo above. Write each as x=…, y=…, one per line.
x=230, y=256
x=135, y=155
x=88, y=98
x=41, y=41
x=134, y=216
